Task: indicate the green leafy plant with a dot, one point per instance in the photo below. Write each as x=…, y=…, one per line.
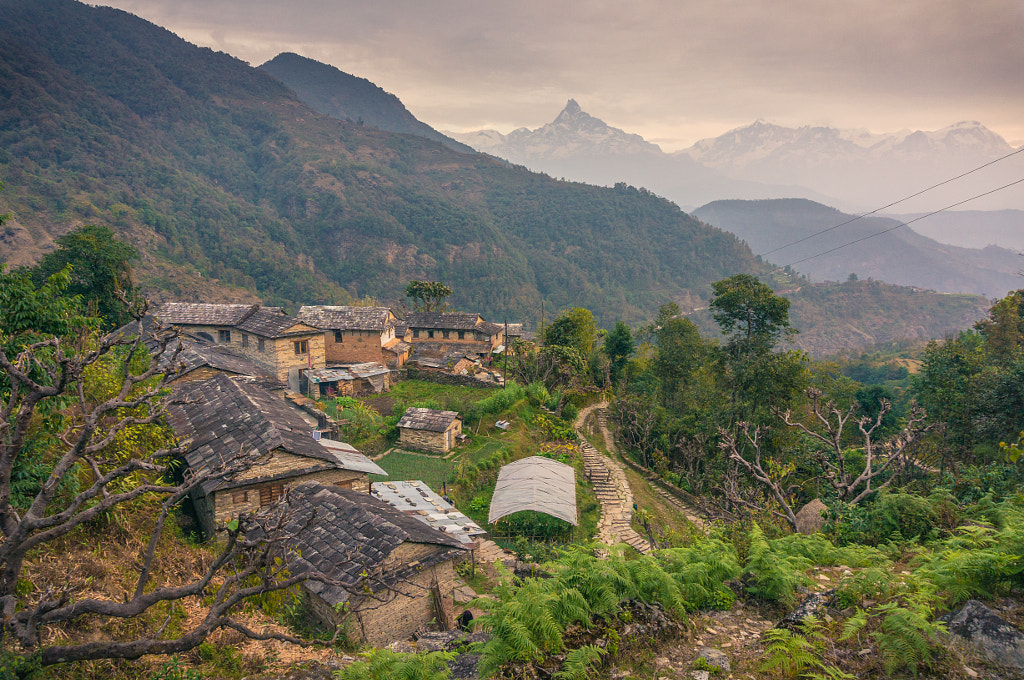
x=580, y=662
x=905, y=632
x=382, y=664
x=773, y=575
x=790, y=654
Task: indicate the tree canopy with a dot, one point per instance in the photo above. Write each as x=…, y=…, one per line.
x=428, y=296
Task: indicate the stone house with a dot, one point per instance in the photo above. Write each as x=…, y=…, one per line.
x=267, y=336
x=354, y=380
x=262, y=441
x=390, y=574
x=355, y=335
x=429, y=430
x=469, y=331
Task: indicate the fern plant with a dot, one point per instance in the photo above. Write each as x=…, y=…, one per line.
x=579, y=663
x=773, y=574
x=906, y=633
x=800, y=654
x=383, y=664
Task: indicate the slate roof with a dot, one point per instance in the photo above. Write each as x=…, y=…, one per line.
x=224, y=419
x=516, y=330
x=458, y=321
x=343, y=533
x=204, y=314
x=272, y=322
x=427, y=419
x=196, y=355
x=335, y=318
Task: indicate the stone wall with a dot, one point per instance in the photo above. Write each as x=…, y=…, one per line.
x=406, y=614
x=278, y=355
x=229, y=503
x=413, y=373
x=422, y=440
x=355, y=347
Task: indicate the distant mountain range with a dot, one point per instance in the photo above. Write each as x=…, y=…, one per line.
x=787, y=231
x=334, y=93
x=850, y=169
x=233, y=189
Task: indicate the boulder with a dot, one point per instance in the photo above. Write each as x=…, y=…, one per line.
x=991, y=636
x=810, y=519
x=715, y=657
x=813, y=605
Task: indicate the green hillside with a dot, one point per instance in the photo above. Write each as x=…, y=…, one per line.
x=107, y=118
x=233, y=189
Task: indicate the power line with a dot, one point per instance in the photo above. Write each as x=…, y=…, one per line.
x=902, y=200
x=903, y=224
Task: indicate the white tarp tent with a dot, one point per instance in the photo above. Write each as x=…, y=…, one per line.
x=535, y=483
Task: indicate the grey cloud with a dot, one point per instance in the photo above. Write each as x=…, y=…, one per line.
x=673, y=70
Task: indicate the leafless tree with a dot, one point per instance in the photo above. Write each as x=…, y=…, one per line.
x=880, y=458
x=752, y=440
x=636, y=418
x=51, y=377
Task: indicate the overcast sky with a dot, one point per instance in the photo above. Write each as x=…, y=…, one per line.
x=674, y=71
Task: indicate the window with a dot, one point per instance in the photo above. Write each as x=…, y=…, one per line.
x=462, y=335
x=339, y=336
x=270, y=494
x=241, y=496
x=347, y=484
x=261, y=345
x=430, y=334
x=224, y=336
x=445, y=334
x=301, y=347
x=415, y=332
x=245, y=340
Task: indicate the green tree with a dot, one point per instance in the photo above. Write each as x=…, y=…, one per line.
x=428, y=296
x=679, y=352
x=749, y=313
x=573, y=328
x=755, y=320
x=619, y=345
x=100, y=269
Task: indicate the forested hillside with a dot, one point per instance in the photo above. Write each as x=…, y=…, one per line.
x=232, y=189
x=108, y=118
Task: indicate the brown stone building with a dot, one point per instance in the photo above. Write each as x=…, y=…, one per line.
x=267, y=336
x=264, y=442
x=353, y=380
x=429, y=430
x=393, y=574
x=468, y=331
x=355, y=335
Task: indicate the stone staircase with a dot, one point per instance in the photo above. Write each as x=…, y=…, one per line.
x=611, y=487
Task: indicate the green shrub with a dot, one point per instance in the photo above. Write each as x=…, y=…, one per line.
x=773, y=575
x=383, y=663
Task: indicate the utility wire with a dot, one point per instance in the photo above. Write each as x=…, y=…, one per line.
x=903, y=224
x=902, y=200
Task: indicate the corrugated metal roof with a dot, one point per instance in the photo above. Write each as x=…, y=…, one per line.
x=420, y=501
x=347, y=372
x=350, y=458
x=535, y=483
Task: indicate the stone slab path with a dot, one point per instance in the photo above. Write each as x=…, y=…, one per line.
x=611, y=487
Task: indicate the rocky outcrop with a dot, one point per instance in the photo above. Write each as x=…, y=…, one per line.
x=992, y=637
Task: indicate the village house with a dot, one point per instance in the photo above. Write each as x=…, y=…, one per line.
x=273, y=340
x=469, y=331
x=428, y=430
x=354, y=335
x=265, y=441
x=353, y=380
x=390, y=574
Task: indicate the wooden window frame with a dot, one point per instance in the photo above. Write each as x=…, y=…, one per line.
x=261, y=345
x=223, y=335
x=301, y=347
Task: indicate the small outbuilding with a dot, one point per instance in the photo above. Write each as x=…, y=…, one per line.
x=390, y=574
x=426, y=429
